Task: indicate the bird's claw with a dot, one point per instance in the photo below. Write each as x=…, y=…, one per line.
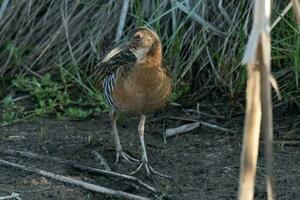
x=149, y=170
x=126, y=157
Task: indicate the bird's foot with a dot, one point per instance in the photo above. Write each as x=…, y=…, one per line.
x=126, y=157
x=149, y=170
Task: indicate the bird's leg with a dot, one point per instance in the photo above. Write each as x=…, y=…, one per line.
x=144, y=161
x=118, y=147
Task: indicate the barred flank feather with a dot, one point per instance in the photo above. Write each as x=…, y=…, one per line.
x=108, y=86
x=118, y=62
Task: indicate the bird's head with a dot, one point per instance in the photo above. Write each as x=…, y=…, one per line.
x=144, y=42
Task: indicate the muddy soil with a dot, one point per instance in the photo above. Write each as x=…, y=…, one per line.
x=203, y=164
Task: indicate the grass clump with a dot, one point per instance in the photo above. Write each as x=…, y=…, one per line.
x=203, y=42
x=12, y=112
x=44, y=96
x=286, y=59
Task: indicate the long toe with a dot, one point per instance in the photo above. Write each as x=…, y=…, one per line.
x=137, y=169
x=158, y=173
x=127, y=158
x=149, y=170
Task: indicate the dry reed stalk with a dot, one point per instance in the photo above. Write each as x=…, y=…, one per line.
x=296, y=6
x=46, y=33
x=282, y=14
x=3, y=7
x=36, y=36
x=199, y=19
x=259, y=104
x=122, y=20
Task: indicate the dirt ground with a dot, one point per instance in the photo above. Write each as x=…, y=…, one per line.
x=203, y=164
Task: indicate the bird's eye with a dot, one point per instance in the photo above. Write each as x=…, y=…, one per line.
x=138, y=36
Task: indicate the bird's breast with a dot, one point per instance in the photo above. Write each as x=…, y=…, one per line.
x=143, y=91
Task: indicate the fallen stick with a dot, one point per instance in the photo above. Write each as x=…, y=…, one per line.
x=213, y=126
x=82, y=184
x=160, y=118
x=203, y=113
x=181, y=129
x=187, y=119
x=188, y=127
x=287, y=142
x=12, y=196
x=102, y=160
x=80, y=167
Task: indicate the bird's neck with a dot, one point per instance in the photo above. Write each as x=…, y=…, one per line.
x=154, y=56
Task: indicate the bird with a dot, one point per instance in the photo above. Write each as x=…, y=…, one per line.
x=134, y=81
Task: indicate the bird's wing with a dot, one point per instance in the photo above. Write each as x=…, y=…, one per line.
x=120, y=59
x=118, y=62
x=112, y=54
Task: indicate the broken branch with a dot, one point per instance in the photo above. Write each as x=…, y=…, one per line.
x=188, y=127
x=82, y=184
x=80, y=167
x=12, y=196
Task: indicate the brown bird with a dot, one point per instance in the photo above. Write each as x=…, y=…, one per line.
x=134, y=81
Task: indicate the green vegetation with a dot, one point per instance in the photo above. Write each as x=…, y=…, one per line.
x=286, y=58
x=180, y=92
x=47, y=58
x=45, y=96
x=12, y=112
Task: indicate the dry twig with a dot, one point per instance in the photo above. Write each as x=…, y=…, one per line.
x=12, y=196
x=198, y=112
x=82, y=184
x=188, y=127
x=287, y=142
x=80, y=167
x=181, y=129
x=187, y=119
